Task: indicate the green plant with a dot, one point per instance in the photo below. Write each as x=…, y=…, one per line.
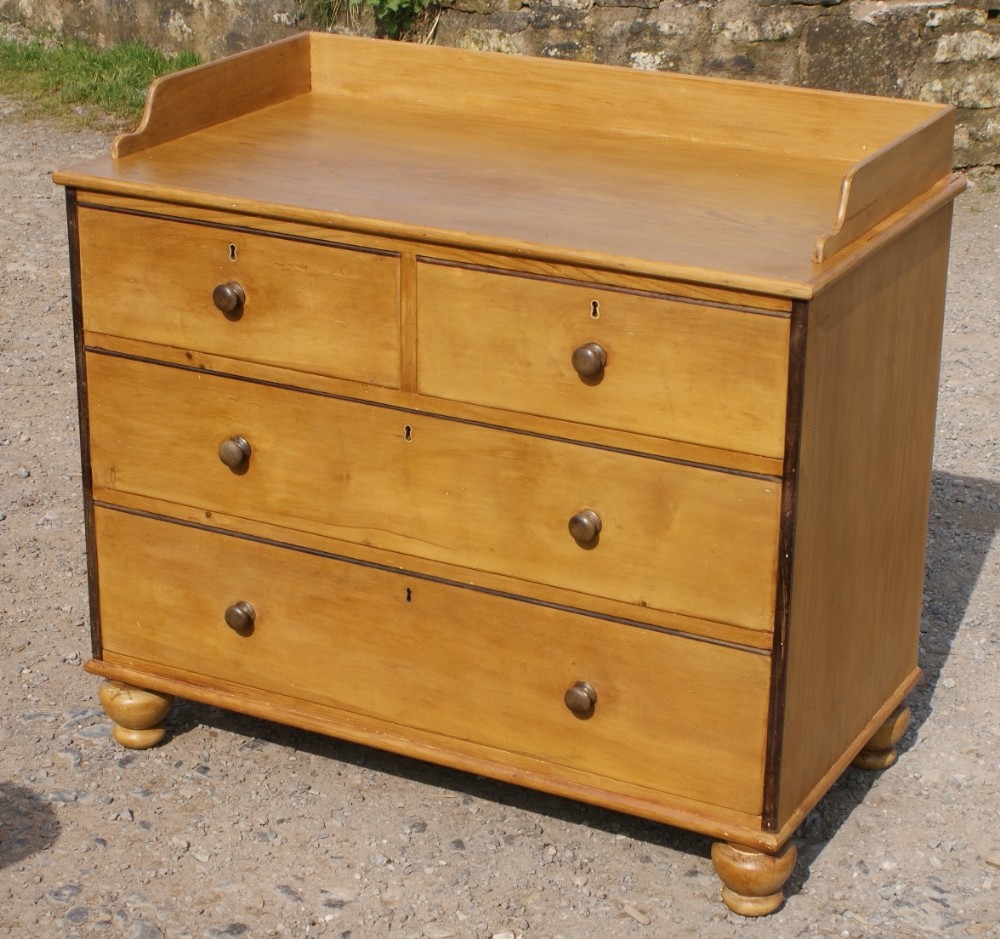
x=393, y=18
x=55, y=76
x=324, y=12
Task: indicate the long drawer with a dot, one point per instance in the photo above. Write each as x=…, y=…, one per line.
x=668, y=368
x=673, y=537
x=312, y=307
x=676, y=715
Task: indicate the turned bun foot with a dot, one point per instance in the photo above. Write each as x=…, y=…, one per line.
x=137, y=714
x=752, y=880
x=880, y=752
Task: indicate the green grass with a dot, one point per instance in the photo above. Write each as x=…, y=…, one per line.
x=62, y=77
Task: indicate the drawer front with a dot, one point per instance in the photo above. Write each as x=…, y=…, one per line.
x=310, y=307
x=673, y=714
x=673, y=369
x=673, y=537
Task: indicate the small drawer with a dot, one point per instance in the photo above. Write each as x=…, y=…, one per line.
x=637, y=530
x=277, y=301
x=651, y=365
x=673, y=714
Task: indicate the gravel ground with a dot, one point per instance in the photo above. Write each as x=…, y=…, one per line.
x=237, y=827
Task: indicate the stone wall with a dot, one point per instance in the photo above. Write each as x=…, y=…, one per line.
x=211, y=28
x=934, y=50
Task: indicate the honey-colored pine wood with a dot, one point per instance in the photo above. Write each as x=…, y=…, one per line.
x=613, y=610
x=185, y=102
x=321, y=230
x=674, y=537
x=408, y=323
x=880, y=752
x=419, y=236
x=601, y=100
x=752, y=880
x=874, y=188
x=718, y=378
x=312, y=307
x=691, y=814
x=313, y=638
x=656, y=187
x=137, y=714
x=679, y=451
x=863, y=493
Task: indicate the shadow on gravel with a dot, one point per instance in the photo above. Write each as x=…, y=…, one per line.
x=187, y=715
x=964, y=518
x=28, y=824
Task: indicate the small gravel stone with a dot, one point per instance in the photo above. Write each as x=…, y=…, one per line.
x=288, y=893
x=77, y=915
x=64, y=893
x=336, y=897
x=635, y=914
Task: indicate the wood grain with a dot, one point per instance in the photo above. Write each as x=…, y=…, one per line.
x=614, y=611
x=569, y=175
x=443, y=663
x=675, y=450
x=309, y=306
x=324, y=231
x=581, y=98
x=673, y=208
x=184, y=102
x=641, y=801
x=424, y=236
x=675, y=537
x=875, y=188
x=689, y=372
x=862, y=500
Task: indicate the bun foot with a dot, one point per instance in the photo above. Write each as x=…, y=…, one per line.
x=137, y=714
x=752, y=880
x=880, y=752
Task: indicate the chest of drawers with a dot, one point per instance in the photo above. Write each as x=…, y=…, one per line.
x=573, y=428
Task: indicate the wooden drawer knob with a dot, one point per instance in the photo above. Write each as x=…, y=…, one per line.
x=581, y=697
x=585, y=526
x=229, y=298
x=235, y=452
x=589, y=360
x=240, y=617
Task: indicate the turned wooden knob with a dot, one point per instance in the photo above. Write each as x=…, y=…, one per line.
x=585, y=526
x=589, y=360
x=229, y=298
x=240, y=616
x=581, y=697
x=235, y=452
